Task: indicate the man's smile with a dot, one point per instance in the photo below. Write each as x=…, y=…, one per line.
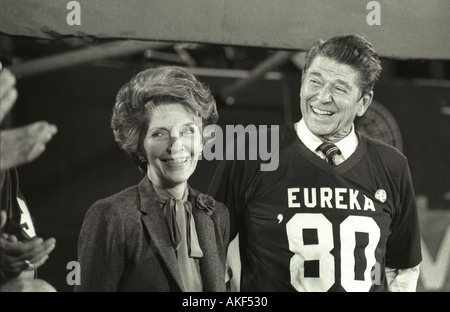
x=321, y=112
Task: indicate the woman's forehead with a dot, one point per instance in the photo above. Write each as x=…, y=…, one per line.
x=171, y=113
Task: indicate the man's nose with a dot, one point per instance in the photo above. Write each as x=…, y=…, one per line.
x=324, y=94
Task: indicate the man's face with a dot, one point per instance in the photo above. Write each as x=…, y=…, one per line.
x=330, y=98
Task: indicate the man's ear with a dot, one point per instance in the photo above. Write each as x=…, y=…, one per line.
x=364, y=103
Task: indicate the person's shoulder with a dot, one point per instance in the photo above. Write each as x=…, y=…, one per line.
x=115, y=212
x=275, y=129
x=386, y=149
x=246, y=134
x=391, y=157
x=118, y=202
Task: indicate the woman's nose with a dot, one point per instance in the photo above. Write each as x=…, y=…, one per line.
x=176, y=145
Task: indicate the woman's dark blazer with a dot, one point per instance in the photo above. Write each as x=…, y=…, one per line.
x=124, y=244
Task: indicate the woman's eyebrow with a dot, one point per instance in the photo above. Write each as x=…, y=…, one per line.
x=158, y=128
x=164, y=128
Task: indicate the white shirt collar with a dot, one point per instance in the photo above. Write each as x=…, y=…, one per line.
x=347, y=145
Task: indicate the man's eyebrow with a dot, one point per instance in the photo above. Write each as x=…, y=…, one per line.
x=344, y=83
x=316, y=74
x=339, y=81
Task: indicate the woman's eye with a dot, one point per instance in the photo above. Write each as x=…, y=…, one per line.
x=158, y=134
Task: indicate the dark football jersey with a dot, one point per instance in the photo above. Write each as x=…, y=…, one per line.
x=311, y=226
x=19, y=220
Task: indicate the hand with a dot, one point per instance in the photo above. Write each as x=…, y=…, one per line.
x=24, y=256
x=2, y=218
x=20, y=145
x=8, y=92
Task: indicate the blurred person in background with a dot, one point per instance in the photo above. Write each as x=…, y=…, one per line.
x=22, y=252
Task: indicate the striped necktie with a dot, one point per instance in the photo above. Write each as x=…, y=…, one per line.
x=329, y=150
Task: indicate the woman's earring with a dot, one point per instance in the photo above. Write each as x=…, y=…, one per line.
x=142, y=159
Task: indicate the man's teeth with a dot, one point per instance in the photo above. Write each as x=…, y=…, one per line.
x=176, y=161
x=321, y=112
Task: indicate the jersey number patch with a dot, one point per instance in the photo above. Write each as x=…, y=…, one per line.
x=25, y=219
x=320, y=252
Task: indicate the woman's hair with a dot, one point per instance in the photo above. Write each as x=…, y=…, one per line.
x=148, y=89
x=352, y=50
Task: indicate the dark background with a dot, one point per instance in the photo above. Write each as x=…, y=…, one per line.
x=83, y=163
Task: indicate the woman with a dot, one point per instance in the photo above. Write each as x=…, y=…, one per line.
x=159, y=235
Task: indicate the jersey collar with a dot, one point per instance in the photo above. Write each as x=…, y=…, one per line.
x=347, y=145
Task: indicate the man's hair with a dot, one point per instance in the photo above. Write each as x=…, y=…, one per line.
x=352, y=50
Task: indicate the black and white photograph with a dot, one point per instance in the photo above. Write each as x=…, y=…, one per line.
x=238, y=148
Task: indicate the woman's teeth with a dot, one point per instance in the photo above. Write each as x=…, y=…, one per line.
x=176, y=161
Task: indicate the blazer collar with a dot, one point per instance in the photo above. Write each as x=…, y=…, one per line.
x=155, y=224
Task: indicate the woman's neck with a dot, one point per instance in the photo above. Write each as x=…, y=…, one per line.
x=176, y=191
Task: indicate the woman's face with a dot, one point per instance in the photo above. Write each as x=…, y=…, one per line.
x=172, y=145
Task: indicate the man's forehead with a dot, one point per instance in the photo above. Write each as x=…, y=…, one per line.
x=329, y=68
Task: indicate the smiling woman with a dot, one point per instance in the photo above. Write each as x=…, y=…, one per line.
x=171, y=164
x=159, y=235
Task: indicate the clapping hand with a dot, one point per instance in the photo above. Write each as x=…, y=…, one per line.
x=24, y=144
x=28, y=255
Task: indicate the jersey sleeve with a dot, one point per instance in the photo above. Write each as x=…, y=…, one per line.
x=403, y=246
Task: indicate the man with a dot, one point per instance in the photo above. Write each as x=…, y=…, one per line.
x=21, y=251
x=339, y=213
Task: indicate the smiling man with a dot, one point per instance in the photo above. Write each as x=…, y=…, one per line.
x=339, y=213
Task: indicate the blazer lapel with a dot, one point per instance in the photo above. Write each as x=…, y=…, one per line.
x=154, y=221
x=210, y=264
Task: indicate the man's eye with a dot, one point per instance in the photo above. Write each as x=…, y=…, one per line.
x=340, y=90
x=315, y=82
x=188, y=131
